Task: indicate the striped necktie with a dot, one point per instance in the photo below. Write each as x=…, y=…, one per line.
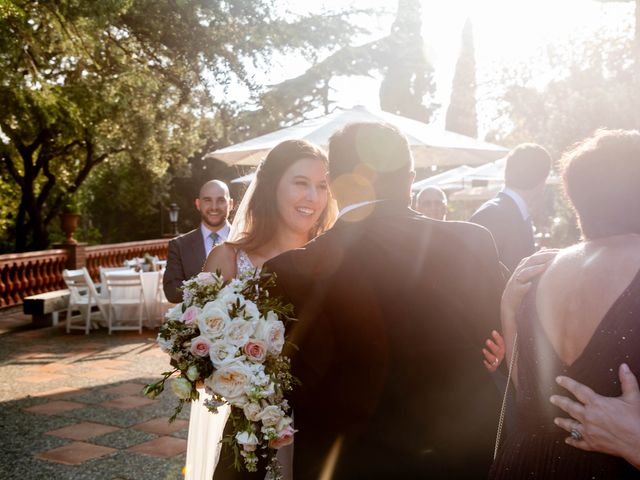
x=215, y=238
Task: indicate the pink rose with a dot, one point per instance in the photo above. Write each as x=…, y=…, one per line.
x=207, y=278
x=189, y=315
x=284, y=438
x=200, y=346
x=255, y=350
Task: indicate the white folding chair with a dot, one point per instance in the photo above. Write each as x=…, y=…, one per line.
x=161, y=300
x=124, y=290
x=104, y=270
x=82, y=297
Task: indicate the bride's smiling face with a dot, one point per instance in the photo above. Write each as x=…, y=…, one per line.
x=302, y=194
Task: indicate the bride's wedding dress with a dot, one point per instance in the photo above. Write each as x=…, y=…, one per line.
x=205, y=428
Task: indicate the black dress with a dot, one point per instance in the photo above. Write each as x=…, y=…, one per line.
x=536, y=450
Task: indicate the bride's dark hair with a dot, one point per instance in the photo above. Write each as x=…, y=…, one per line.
x=261, y=216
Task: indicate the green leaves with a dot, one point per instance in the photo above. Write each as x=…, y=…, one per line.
x=116, y=95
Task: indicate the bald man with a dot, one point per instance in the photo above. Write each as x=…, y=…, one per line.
x=188, y=252
x=432, y=203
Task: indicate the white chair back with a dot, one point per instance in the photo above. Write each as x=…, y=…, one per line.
x=83, y=296
x=124, y=289
x=105, y=270
x=76, y=283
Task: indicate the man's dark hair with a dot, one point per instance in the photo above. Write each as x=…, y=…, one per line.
x=377, y=151
x=601, y=176
x=527, y=166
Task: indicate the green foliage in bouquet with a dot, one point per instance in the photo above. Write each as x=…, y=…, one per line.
x=229, y=336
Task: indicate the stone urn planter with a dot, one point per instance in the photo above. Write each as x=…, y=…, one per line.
x=69, y=224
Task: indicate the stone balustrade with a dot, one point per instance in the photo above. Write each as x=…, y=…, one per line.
x=31, y=273
x=115, y=254
x=24, y=274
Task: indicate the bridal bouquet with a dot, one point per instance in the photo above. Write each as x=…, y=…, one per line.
x=229, y=337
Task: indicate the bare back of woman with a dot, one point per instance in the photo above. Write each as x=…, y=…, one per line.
x=580, y=287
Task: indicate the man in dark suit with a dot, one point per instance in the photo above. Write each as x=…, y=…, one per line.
x=188, y=252
x=508, y=215
x=393, y=309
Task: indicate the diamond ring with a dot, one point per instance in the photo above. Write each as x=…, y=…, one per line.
x=576, y=435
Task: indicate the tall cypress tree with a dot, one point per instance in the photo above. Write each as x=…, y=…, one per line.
x=461, y=114
x=408, y=76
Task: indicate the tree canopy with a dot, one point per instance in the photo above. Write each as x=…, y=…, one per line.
x=84, y=83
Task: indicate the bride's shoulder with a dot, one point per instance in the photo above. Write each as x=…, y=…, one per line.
x=223, y=258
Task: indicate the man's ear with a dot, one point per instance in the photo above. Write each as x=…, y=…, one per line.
x=197, y=204
x=230, y=202
x=410, y=179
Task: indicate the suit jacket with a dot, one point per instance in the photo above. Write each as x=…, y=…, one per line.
x=513, y=235
x=185, y=259
x=393, y=311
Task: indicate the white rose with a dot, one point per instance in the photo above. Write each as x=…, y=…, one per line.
x=222, y=353
x=283, y=423
x=271, y=415
x=213, y=320
x=174, y=313
x=165, y=344
x=271, y=332
x=207, y=278
x=248, y=440
x=238, y=332
x=251, y=310
x=227, y=296
x=236, y=285
x=231, y=381
x=181, y=387
x=252, y=410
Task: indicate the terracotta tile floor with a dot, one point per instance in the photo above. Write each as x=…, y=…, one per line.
x=128, y=402
x=83, y=431
x=55, y=407
x=75, y=453
x=81, y=407
x=106, y=373
x=126, y=389
x=161, y=426
x=161, y=447
x=41, y=378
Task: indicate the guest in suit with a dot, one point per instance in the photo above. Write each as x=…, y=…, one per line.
x=188, y=252
x=508, y=215
x=393, y=308
x=432, y=202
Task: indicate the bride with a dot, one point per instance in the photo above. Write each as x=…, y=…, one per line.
x=287, y=204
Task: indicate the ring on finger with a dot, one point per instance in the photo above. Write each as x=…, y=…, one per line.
x=575, y=434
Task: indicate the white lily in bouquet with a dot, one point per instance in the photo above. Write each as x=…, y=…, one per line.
x=229, y=336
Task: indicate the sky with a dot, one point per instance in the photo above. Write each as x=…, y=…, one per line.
x=506, y=33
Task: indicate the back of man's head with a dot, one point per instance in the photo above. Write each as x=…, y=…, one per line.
x=527, y=166
x=375, y=153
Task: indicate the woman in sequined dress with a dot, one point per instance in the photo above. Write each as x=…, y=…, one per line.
x=581, y=317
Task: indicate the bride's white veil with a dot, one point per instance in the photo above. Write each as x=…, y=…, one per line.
x=239, y=224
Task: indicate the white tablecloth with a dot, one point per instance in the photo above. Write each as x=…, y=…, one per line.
x=155, y=303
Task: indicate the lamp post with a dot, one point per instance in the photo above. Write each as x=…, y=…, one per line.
x=173, y=217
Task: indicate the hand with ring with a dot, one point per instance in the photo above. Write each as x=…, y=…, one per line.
x=494, y=353
x=575, y=434
x=603, y=424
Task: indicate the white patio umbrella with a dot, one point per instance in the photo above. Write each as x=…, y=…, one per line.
x=453, y=178
x=244, y=178
x=430, y=145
